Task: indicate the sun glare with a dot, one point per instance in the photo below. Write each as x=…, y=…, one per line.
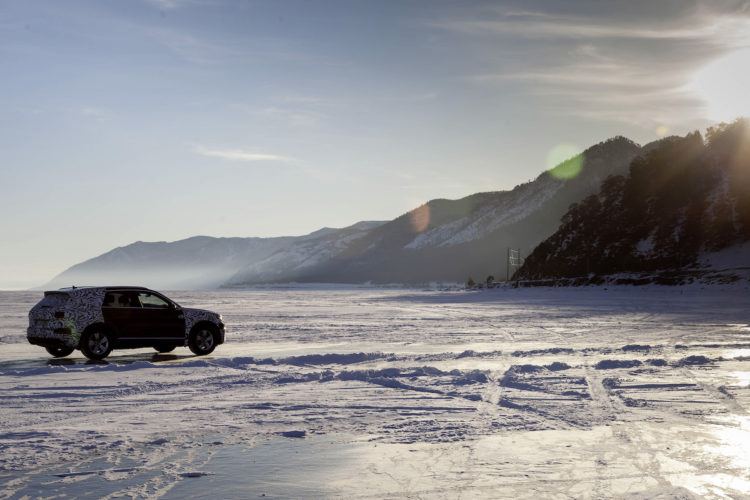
x=723, y=85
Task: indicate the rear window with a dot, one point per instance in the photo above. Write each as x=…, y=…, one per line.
x=55, y=299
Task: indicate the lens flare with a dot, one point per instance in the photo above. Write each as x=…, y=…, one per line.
x=419, y=218
x=564, y=161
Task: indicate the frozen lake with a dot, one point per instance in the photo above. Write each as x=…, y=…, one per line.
x=373, y=393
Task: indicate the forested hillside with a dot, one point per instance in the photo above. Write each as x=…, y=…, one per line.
x=685, y=198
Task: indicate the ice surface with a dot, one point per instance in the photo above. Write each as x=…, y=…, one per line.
x=528, y=393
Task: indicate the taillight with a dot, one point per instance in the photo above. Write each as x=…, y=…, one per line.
x=59, y=314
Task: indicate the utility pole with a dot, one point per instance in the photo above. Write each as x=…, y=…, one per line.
x=519, y=264
x=507, y=265
x=513, y=259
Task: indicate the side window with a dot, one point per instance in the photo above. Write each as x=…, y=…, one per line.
x=151, y=300
x=119, y=299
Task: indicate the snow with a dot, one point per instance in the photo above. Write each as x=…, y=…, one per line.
x=304, y=252
x=645, y=247
x=627, y=392
x=733, y=258
x=514, y=206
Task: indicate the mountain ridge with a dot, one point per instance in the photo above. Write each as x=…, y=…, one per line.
x=383, y=255
x=442, y=240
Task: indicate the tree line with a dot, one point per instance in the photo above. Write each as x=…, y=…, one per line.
x=685, y=196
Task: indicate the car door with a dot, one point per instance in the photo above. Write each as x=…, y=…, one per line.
x=119, y=311
x=159, y=318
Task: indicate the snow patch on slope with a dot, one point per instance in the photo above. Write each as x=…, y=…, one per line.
x=509, y=209
x=735, y=257
x=304, y=252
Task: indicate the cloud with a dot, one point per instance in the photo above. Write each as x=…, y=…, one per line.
x=578, y=75
x=632, y=66
x=99, y=114
x=615, y=92
x=682, y=21
x=295, y=117
x=239, y=155
x=168, y=4
x=231, y=48
x=196, y=50
x=579, y=29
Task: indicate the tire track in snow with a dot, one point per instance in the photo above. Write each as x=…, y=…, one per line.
x=721, y=396
x=601, y=397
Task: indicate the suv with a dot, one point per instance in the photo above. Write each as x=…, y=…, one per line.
x=98, y=319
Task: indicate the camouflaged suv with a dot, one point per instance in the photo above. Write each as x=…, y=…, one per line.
x=98, y=319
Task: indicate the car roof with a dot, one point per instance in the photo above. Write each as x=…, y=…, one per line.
x=106, y=288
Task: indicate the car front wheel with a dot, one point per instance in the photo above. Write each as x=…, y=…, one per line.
x=59, y=352
x=202, y=340
x=96, y=344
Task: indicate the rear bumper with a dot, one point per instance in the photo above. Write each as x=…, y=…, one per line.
x=59, y=337
x=49, y=342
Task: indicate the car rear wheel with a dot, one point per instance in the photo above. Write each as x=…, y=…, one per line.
x=96, y=344
x=202, y=340
x=164, y=348
x=59, y=352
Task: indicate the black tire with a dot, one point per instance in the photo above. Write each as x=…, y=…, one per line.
x=60, y=352
x=96, y=344
x=164, y=348
x=202, y=339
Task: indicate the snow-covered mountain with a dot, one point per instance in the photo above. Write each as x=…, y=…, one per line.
x=451, y=240
x=197, y=262
x=206, y=262
x=301, y=254
x=443, y=240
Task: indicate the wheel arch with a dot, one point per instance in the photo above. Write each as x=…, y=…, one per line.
x=95, y=326
x=202, y=324
x=198, y=343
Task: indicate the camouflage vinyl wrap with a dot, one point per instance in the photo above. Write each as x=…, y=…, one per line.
x=82, y=308
x=194, y=316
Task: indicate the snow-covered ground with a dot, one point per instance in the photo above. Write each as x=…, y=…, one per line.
x=363, y=393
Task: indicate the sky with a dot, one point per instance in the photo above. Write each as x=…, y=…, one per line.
x=157, y=120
